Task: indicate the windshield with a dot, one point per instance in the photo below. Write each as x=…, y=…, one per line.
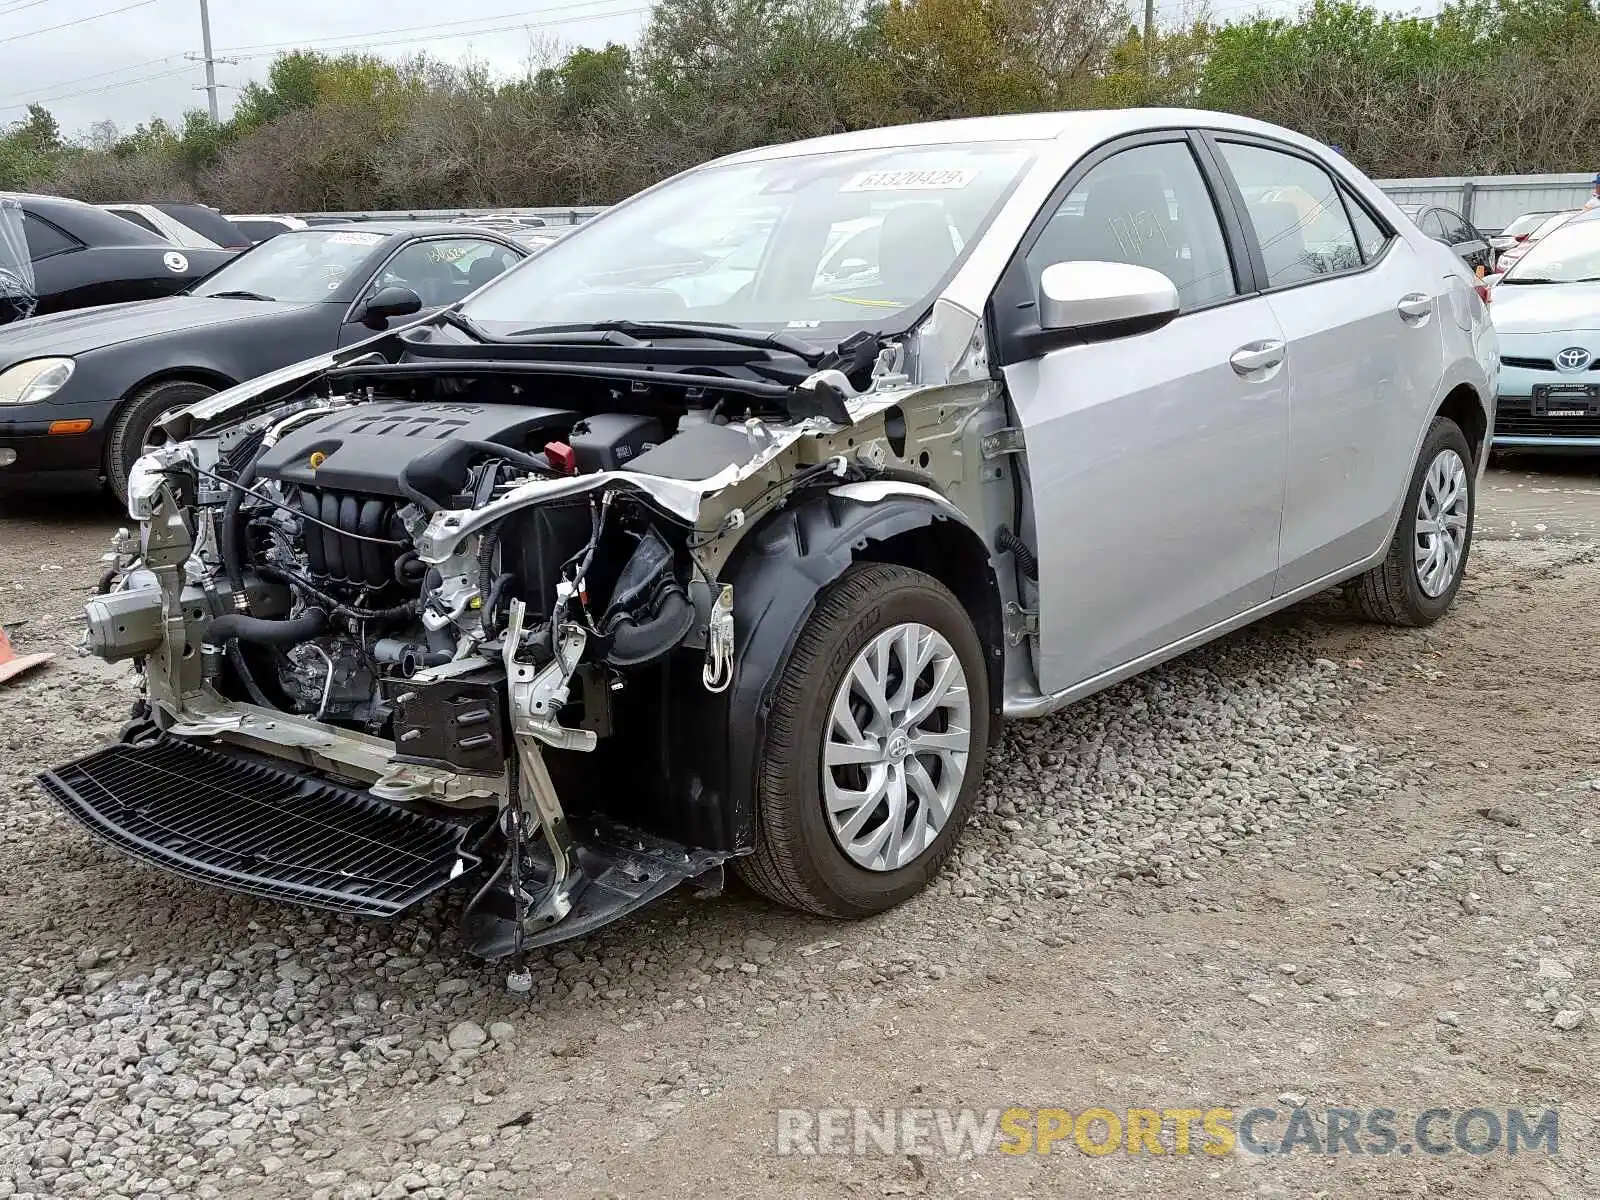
x=1550, y=224
x=828, y=243
x=1526, y=223
x=1569, y=255
x=300, y=266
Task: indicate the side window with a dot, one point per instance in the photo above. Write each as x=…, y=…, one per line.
x=1369, y=235
x=1299, y=220
x=1456, y=228
x=1433, y=225
x=443, y=271
x=139, y=219
x=1148, y=206
x=44, y=239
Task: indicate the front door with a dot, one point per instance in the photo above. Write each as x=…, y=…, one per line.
x=1155, y=462
x=440, y=270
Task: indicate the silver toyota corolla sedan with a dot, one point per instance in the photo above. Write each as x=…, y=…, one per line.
x=1547, y=316
x=725, y=532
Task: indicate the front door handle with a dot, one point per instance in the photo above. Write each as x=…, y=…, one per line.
x=1414, y=307
x=1257, y=356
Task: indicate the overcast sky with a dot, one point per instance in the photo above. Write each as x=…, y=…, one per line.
x=129, y=65
x=124, y=60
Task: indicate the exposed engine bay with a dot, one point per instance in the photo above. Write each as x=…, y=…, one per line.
x=440, y=591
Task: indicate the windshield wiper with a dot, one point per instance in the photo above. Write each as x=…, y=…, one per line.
x=237, y=295
x=1528, y=279
x=730, y=334
x=454, y=316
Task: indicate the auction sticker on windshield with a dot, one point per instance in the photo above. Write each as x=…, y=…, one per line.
x=912, y=179
x=350, y=238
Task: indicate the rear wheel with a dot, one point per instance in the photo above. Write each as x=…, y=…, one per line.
x=1418, y=581
x=136, y=421
x=875, y=746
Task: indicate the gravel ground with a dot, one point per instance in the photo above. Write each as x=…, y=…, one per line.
x=1134, y=890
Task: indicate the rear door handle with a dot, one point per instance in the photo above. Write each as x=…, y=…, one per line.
x=1414, y=307
x=1257, y=356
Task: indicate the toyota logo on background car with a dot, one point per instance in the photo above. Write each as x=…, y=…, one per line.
x=1573, y=358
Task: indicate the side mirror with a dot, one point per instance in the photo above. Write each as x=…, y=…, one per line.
x=390, y=302
x=1100, y=300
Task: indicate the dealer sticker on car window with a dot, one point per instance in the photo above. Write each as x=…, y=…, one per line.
x=350, y=238
x=912, y=179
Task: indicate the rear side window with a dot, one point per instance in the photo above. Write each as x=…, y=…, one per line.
x=139, y=219
x=1148, y=206
x=1295, y=210
x=1370, y=236
x=44, y=239
x=1432, y=224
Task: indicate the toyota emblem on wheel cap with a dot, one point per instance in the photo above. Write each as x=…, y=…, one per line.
x=1573, y=358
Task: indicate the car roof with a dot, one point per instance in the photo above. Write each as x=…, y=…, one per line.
x=1079, y=129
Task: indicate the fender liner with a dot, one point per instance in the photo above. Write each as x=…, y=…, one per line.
x=777, y=572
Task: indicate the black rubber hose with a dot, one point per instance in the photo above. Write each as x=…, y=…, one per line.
x=488, y=586
x=1021, y=551
x=232, y=533
x=265, y=631
x=396, y=613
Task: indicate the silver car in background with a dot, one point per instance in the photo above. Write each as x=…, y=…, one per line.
x=727, y=529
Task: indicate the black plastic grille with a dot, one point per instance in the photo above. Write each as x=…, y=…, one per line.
x=1515, y=418
x=258, y=829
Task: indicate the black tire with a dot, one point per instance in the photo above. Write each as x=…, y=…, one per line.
x=797, y=861
x=133, y=422
x=1391, y=592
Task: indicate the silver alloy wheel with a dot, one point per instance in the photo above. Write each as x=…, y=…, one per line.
x=895, y=751
x=1441, y=527
x=149, y=430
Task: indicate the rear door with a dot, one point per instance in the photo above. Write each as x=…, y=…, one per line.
x=1360, y=310
x=1155, y=462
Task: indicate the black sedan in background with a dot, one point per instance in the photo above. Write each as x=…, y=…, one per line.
x=1450, y=228
x=83, y=255
x=79, y=392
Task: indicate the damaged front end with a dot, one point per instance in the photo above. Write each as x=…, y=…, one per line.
x=414, y=619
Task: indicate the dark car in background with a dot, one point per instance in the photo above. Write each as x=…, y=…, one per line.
x=83, y=256
x=185, y=223
x=1450, y=228
x=80, y=392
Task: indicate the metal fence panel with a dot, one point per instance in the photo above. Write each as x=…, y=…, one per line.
x=1491, y=202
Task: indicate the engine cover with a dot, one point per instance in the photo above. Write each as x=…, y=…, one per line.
x=363, y=449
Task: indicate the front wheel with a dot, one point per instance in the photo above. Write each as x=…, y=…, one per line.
x=1417, y=582
x=135, y=422
x=875, y=746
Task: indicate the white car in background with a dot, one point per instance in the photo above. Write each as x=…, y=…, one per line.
x=1547, y=314
x=184, y=223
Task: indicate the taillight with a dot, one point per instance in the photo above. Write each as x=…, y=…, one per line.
x=1522, y=237
x=1483, y=291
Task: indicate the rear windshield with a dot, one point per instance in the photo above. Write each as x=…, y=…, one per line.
x=207, y=223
